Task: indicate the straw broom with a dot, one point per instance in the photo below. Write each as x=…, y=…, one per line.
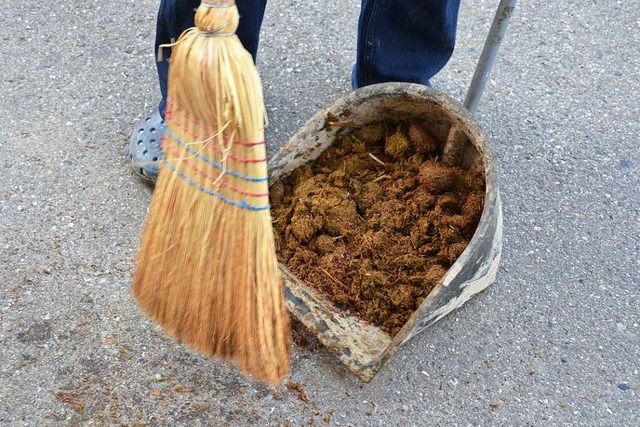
x=207, y=268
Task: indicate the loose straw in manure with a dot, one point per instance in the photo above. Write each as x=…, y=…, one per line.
x=207, y=268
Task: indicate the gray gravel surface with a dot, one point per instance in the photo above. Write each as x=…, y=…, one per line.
x=554, y=342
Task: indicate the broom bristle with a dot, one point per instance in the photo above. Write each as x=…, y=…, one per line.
x=207, y=268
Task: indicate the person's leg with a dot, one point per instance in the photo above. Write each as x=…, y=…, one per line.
x=404, y=40
x=175, y=16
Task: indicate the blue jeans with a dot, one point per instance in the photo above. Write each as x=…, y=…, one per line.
x=398, y=40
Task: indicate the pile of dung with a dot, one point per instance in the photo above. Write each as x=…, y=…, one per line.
x=376, y=220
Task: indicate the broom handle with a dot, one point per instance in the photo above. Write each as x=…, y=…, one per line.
x=218, y=3
x=489, y=54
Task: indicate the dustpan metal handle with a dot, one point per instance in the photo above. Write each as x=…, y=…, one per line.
x=489, y=54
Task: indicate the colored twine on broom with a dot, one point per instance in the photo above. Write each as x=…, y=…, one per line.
x=207, y=268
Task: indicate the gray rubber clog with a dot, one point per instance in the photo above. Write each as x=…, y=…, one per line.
x=144, y=146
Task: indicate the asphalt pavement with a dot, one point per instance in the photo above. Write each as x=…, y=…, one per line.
x=555, y=341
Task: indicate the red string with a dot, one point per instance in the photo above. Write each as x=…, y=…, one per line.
x=191, y=133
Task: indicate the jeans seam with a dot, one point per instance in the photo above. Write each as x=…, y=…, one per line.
x=365, y=60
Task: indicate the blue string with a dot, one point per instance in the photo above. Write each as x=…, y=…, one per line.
x=243, y=204
x=163, y=128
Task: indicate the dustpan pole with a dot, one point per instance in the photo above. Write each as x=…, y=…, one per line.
x=489, y=54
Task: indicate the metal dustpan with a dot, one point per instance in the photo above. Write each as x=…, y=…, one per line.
x=362, y=347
